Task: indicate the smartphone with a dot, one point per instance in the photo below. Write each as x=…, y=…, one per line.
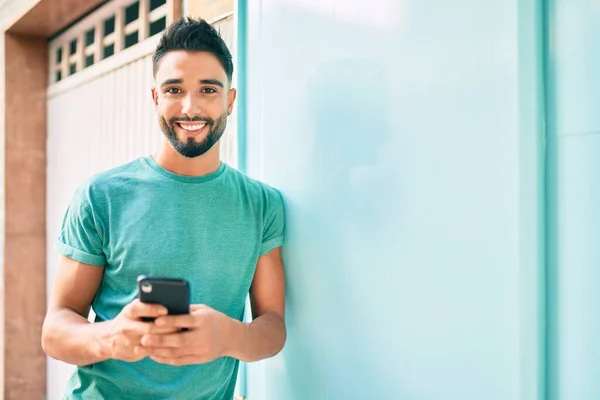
x=172, y=293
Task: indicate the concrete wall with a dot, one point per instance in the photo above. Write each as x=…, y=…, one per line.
x=9, y=10
x=394, y=130
x=24, y=84
x=573, y=80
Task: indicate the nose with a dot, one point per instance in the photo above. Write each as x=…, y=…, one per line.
x=189, y=107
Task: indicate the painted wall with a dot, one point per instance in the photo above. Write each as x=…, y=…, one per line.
x=128, y=130
x=573, y=65
x=393, y=129
x=9, y=10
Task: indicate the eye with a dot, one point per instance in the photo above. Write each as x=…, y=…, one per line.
x=208, y=90
x=173, y=91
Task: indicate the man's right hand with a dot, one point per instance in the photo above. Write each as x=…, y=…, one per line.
x=68, y=336
x=123, y=334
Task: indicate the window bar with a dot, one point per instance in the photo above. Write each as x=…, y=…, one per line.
x=98, y=33
x=159, y=12
x=132, y=27
x=173, y=12
x=119, y=29
x=109, y=39
x=144, y=24
x=84, y=53
x=80, y=53
x=64, y=65
x=52, y=64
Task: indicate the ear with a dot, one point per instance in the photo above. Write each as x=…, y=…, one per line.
x=155, y=97
x=230, y=100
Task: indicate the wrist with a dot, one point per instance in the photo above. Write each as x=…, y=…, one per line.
x=100, y=346
x=235, y=338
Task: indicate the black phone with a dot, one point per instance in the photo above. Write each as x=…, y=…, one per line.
x=173, y=293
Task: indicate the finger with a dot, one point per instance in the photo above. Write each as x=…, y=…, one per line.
x=166, y=352
x=137, y=328
x=187, y=360
x=137, y=309
x=140, y=351
x=171, y=340
x=156, y=330
x=178, y=321
x=197, y=307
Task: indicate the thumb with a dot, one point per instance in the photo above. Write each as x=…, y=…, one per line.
x=197, y=307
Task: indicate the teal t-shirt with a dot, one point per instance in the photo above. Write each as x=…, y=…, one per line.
x=140, y=219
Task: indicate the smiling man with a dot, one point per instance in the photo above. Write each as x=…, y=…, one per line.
x=178, y=213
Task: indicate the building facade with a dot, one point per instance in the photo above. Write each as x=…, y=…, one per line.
x=438, y=164
x=76, y=102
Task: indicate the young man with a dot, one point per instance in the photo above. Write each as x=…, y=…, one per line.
x=179, y=213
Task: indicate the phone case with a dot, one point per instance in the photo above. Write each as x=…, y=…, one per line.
x=172, y=293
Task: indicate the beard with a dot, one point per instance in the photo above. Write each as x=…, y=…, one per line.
x=190, y=148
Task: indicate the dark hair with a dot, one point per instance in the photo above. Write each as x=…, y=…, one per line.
x=190, y=34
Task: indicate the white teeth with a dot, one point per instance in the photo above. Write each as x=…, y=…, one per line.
x=192, y=127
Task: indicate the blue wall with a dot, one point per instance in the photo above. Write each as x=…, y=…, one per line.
x=573, y=75
x=405, y=137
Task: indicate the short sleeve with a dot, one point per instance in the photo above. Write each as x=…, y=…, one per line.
x=273, y=222
x=80, y=236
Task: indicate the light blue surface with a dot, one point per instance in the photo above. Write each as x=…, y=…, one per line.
x=574, y=62
x=393, y=128
x=240, y=15
x=532, y=186
x=573, y=81
x=575, y=319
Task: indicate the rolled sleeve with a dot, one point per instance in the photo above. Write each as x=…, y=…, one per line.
x=78, y=255
x=81, y=233
x=274, y=222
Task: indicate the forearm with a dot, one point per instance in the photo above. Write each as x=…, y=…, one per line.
x=262, y=338
x=68, y=337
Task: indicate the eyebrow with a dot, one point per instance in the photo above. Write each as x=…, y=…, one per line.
x=171, y=82
x=215, y=82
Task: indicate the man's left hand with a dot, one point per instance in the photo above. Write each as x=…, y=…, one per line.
x=204, y=341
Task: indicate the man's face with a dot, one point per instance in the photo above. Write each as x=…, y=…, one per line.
x=193, y=99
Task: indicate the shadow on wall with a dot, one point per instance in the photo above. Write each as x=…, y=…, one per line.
x=395, y=146
x=345, y=220
x=330, y=353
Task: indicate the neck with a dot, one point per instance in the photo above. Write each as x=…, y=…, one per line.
x=168, y=158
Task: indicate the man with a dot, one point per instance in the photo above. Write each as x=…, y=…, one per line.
x=179, y=213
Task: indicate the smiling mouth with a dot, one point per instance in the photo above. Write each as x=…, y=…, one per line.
x=191, y=126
